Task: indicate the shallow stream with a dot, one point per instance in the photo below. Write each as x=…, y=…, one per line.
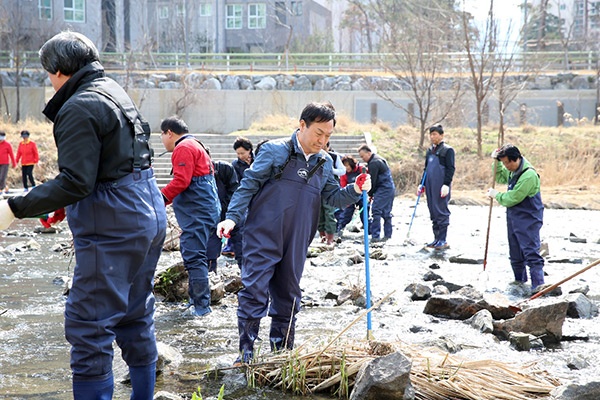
x=34, y=356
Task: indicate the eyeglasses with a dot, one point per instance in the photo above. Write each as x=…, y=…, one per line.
x=165, y=132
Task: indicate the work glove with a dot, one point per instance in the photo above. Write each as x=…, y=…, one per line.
x=224, y=228
x=6, y=215
x=491, y=193
x=420, y=190
x=363, y=182
x=495, y=154
x=444, y=191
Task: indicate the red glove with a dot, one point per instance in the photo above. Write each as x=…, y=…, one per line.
x=360, y=180
x=44, y=222
x=56, y=217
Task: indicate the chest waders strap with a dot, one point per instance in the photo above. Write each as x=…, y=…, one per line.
x=315, y=169
x=143, y=153
x=291, y=154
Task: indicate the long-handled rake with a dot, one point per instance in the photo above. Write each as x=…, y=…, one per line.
x=365, y=211
x=407, y=240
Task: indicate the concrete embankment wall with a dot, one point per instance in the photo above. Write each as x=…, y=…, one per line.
x=225, y=111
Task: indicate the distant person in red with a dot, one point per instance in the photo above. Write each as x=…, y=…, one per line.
x=6, y=156
x=27, y=154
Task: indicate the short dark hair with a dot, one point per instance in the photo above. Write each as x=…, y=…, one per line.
x=175, y=125
x=24, y=133
x=241, y=141
x=349, y=161
x=68, y=52
x=318, y=112
x=365, y=147
x=437, y=128
x=510, y=151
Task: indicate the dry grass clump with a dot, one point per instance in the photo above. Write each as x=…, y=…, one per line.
x=435, y=375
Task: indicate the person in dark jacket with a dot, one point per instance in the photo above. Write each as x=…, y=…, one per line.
x=115, y=212
x=382, y=193
x=227, y=182
x=439, y=171
x=193, y=193
x=244, y=150
x=524, y=212
x=281, y=193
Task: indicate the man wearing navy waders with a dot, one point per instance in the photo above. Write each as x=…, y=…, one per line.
x=382, y=193
x=227, y=182
x=196, y=205
x=524, y=212
x=439, y=170
x=282, y=192
x=115, y=212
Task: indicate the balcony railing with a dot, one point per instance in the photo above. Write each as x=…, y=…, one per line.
x=313, y=62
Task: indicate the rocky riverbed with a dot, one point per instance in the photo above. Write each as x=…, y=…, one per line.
x=34, y=354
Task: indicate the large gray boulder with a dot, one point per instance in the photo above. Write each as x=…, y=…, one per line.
x=384, y=378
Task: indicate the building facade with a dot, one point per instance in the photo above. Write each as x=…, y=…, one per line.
x=218, y=26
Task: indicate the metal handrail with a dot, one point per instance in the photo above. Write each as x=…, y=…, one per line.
x=309, y=62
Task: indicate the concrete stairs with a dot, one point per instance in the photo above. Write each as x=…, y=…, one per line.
x=221, y=148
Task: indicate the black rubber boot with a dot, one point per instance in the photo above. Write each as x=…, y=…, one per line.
x=282, y=334
x=248, y=330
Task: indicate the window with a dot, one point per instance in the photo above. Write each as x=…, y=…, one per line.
x=163, y=12
x=74, y=10
x=45, y=9
x=233, y=16
x=257, y=16
x=280, y=12
x=205, y=10
x=180, y=10
x=296, y=8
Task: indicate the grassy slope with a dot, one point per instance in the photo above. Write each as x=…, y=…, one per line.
x=567, y=159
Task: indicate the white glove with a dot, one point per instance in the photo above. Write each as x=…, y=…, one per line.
x=495, y=153
x=365, y=183
x=224, y=228
x=444, y=191
x=6, y=215
x=491, y=193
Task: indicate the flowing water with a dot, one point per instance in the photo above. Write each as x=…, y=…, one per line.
x=34, y=356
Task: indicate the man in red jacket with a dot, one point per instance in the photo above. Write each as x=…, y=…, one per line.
x=196, y=205
x=27, y=153
x=6, y=155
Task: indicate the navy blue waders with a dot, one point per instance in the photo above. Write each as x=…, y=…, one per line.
x=118, y=234
x=438, y=206
x=281, y=222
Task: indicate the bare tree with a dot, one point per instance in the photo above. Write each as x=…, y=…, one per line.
x=482, y=65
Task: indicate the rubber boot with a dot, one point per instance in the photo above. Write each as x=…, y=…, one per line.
x=199, y=292
x=282, y=334
x=330, y=238
x=143, y=380
x=537, y=275
x=86, y=389
x=248, y=330
x=441, y=243
x=436, y=236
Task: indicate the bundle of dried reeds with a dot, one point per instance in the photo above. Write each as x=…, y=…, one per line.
x=434, y=374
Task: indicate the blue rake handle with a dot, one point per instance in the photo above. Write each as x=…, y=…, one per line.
x=416, y=204
x=365, y=212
